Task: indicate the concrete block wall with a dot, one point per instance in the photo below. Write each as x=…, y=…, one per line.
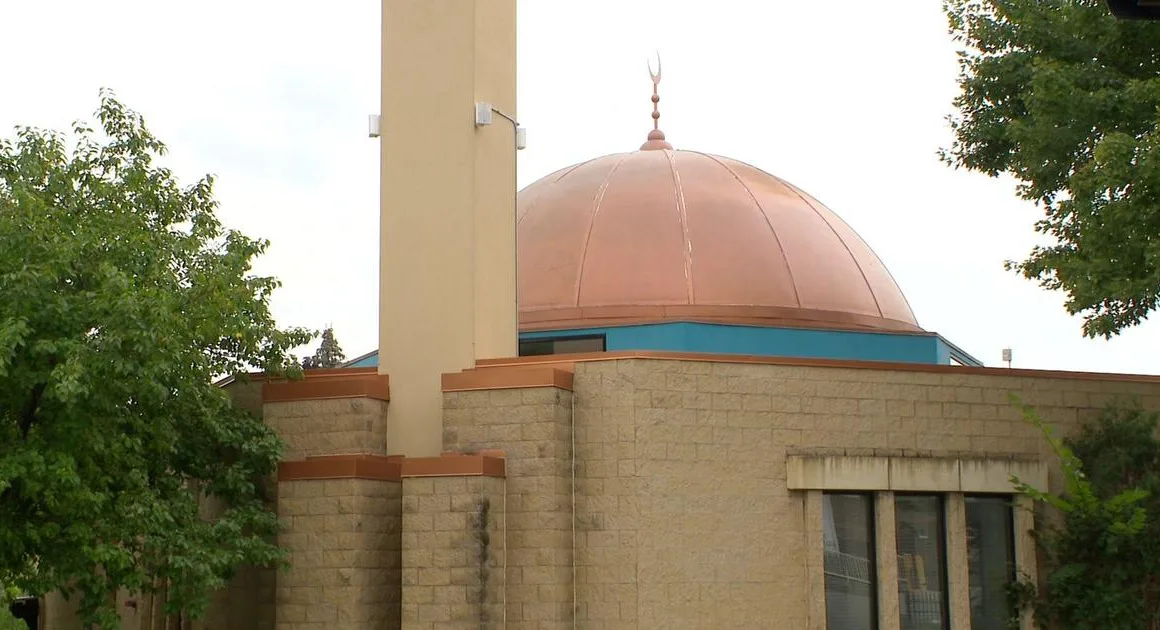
x=454, y=553
x=640, y=493
x=58, y=613
x=248, y=603
x=684, y=518
x=344, y=537
x=329, y=427
x=340, y=501
x=533, y=426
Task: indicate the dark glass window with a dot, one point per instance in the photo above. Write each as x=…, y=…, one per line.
x=848, y=536
x=921, y=540
x=561, y=345
x=990, y=559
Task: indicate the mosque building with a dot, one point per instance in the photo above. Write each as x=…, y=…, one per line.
x=658, y=389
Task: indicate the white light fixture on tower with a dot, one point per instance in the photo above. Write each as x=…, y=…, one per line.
x=483, y=116
x=482, y=113
x=373, y=126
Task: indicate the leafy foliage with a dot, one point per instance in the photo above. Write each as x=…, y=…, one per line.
x=7, y=620
x=329, y=354
x=1064, y=97
x=124, y=297
x=1104, y=557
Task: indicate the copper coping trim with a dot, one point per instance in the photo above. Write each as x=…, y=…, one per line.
x=363, y=466
x=383, y=468
x=509, y=377
x=455, y=465
x=568, y=361
x=591, y=316
x=330, y=384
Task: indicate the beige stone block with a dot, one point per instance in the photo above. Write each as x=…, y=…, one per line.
x=451, y=521
x=969, y=395
x=680, y=381
x=786, y=404
x=413, y=487
x=996, y=428
x=727, y=401
x=956, y=411
x=711, y=383
x=662, y=399
x=322, y=613
x=756, y=402
x=696, y=400
x=432, y=576
x=905, y=408
x=434, y=612
x=900, y=440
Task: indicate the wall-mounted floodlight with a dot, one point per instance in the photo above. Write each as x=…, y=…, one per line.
x=373, y=126
x=483, y=113
x=483, y=116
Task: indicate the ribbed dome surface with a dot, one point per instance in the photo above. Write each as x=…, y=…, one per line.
x=663, y=235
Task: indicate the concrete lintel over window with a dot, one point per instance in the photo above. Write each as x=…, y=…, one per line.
x=910, y=474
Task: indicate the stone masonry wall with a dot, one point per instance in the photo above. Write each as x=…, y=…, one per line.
x=453, y=553
x=683, y=516
x=246, y=604
x=533, y=427
x=345, y=538
x=329, y=427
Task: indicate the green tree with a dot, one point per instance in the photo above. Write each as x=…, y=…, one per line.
x=328, y=355
x=123, y=298
x=1063, y=97
x=1103, y=558
x=7, y=620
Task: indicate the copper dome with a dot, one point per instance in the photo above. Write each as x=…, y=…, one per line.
x=665, y=235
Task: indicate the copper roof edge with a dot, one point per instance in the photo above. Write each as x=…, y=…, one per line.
x=570, y=317
x=661, y=355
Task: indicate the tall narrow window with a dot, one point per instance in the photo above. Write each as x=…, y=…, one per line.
x=851, y=593
x=922, y=585
x=990, y=559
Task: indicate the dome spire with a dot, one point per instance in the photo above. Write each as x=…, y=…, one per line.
x=656, y=137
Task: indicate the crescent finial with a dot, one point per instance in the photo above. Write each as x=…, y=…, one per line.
x=656, y=137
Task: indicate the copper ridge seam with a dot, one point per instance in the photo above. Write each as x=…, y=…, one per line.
x=764, y=215
x=683, y=218
x=870, y=249
x=837, y=236
x=592, y=223
x=564, y=172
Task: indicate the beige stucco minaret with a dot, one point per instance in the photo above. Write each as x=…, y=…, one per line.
x=447, y=294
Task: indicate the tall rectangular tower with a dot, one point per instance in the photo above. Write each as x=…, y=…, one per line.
x=447, y=293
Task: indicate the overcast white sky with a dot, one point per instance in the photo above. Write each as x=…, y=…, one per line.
x=845, y=99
